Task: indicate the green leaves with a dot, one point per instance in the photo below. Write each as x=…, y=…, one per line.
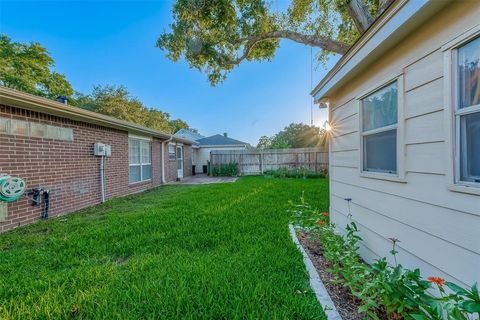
x=28, y=68
x=117, y=102
x=295, y=135
x=402, y=293
x=214, y=36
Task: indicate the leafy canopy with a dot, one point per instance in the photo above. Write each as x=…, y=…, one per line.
x=28, y=68
x=214, y=36
x=295, y=135
x=117, y=102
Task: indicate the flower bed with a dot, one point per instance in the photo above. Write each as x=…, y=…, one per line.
x=378, y=291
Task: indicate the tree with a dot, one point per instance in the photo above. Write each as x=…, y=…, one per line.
x=117, y=102
x=214, y=36
x=28, y=68
x=295, y=135
x=178, y=124
x=264, y=142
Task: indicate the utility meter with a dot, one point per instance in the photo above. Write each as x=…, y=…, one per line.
x=102, y=149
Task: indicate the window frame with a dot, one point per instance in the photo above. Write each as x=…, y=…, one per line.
x=141, y=163
x=399, y=176
x=458, y=112
x=174, y=153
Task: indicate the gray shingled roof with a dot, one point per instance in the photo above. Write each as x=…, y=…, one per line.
x=220, y=140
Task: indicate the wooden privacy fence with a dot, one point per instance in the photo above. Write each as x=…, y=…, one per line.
x=251, y=162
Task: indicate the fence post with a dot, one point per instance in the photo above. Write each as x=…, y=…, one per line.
x=261, y=162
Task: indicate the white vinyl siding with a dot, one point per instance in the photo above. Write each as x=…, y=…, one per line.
x=140, y=160
x=467, y=113
x=425, y=213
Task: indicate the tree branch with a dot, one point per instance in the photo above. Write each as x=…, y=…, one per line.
x=384, y=4
x=322, y=42
x=360, y=15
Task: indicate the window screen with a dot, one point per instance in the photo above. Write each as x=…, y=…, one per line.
x=379, y=130
x=140, y=160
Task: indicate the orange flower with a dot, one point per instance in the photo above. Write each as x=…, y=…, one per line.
x=438, y=281
x=325, y=214
x=320, y=222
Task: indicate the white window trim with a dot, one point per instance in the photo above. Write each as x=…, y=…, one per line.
x=140, y=164
x=400, y=126
x=137, y=137
x=452, y=115
x=174, y=145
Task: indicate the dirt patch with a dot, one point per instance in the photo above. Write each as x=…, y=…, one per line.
x=346, y=304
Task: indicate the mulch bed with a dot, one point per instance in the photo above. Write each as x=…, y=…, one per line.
x=344, y=301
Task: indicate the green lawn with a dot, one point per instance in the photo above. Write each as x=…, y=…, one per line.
x=178, y=252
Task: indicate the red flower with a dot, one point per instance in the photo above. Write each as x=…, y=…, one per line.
x=438, y=281
x=325, y=214
x=320, y=222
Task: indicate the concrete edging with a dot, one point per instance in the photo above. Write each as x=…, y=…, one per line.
x=315, y=282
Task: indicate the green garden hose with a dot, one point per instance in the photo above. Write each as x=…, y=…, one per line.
x=11, y=188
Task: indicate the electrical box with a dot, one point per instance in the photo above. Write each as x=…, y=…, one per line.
x=102, y=149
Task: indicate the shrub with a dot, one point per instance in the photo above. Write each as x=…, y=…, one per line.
x=294, y=173
x=225, y=170
x=402, y=293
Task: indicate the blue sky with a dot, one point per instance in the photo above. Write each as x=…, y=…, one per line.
x=113, y=42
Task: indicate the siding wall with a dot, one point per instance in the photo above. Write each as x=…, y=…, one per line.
x=68, y=168
x=438, y=228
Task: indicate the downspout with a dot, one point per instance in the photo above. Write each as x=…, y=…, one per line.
x=163, y=159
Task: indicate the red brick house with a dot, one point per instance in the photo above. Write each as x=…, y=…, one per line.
x=50, y=145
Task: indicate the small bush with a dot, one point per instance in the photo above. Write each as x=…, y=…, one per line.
x=295, y=173
x=225, y=170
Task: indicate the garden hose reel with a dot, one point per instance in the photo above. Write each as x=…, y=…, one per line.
x=11, y=188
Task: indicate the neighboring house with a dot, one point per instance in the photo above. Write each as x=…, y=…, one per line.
x=404, y=104
x=204, y=145
x=51, y=146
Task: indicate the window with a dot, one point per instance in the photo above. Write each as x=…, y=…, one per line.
x=171, y=152
x=179, y=158
x=467, y=113
x=379, y=119
x=140, y=160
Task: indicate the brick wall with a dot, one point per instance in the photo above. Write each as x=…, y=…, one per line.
x=187, y=160
x=171, y=165
x=68, y=169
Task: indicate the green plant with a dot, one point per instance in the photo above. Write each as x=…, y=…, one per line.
x=300, y=173
x=402, y=293
x=225, y=170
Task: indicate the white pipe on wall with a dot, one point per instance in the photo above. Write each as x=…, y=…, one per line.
x=102, y=177
x=163, y=159
x=163, y=162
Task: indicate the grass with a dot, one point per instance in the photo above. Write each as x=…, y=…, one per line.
x=219, y=251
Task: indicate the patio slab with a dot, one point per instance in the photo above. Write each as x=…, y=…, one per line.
x=204, y=179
